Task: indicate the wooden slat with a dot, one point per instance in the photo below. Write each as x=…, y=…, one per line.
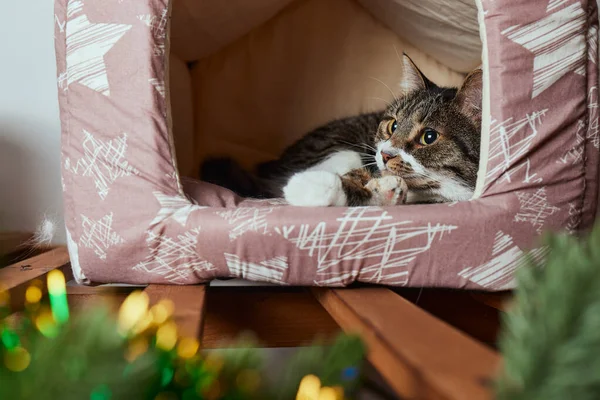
x=18, y=276
x=459, y=309
x=500, y=301
x=420, y=356
x=77, y=290
x=87, y=301
x=83, y=296
x=189, y=305
x=279, y=317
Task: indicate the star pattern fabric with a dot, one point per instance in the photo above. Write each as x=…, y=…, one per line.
x=557, y=42
x=87, y=43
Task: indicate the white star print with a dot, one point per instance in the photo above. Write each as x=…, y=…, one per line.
x=557, y=41
x=87, y=43
x=177, y=207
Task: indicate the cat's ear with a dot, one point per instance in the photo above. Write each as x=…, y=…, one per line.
x=470, y=94
x=412, y=77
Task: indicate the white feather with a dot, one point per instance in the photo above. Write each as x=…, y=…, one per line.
x=45, y=232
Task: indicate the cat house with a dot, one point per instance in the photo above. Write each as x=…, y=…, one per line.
x=149, y=88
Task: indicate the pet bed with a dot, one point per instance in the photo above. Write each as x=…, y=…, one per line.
x=148, y=88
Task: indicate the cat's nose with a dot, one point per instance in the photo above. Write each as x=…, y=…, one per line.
x=386, y=156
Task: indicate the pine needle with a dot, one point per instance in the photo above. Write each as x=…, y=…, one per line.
x=551, y=336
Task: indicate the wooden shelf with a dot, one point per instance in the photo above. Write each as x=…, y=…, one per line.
x=418, y=354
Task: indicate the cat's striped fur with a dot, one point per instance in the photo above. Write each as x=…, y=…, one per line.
x=361, y=160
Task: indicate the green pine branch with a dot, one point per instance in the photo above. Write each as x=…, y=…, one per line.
x=551, y=336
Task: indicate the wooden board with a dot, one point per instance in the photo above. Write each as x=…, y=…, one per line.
x=279, y=317
x=500, y=301
x=459, y=309
x=17, y=277
x=189, y=305
x=420, y=356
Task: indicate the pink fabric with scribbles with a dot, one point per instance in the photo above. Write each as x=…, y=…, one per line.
x=131, y=220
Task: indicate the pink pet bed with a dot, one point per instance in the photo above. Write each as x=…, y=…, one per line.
x=143, y=81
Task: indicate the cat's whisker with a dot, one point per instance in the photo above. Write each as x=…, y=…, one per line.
x=387, y=87
x=387, y=103
x=360, y=144
x=398, y=55
x=363, y=146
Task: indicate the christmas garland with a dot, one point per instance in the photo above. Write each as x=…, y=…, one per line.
x=138, y=355
x=550, y=343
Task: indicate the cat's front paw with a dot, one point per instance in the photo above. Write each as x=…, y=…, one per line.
x=388, y=190
x=315, y=189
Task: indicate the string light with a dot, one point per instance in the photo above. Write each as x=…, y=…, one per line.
x=33, y=294
x=9, y=339
x=161, y=311
x=102, y=392
x=309, y=388
x=136, y=348
x=133, y=309
x=167, y=376
x=184, y=373
x=45, y=323
x=329, y=393
x=142, y=325
x=17, y=359
x=187, y=347
x=4, y=301
x=57, y=291
x=4, y=296
x=166, y=336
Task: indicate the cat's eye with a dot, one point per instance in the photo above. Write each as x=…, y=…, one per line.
x=392, y=126
x=429, y=136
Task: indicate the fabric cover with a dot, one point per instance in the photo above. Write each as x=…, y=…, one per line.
x=131, y=219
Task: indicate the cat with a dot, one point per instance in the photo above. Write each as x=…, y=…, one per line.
x=423, y=148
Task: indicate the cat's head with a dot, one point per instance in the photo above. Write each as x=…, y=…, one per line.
x=430, y=136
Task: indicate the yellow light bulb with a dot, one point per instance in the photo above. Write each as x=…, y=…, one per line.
x=339, y=392
x=4, y=296
x=187, y=347
x=56, y=282
x=166, y=336
x=162, y=310
x=132, y=311
x=57, y=291
x=309, y=388
x=329, y=393
x=136, y=348
x=33, y=294
x=45, y=323
x=142, y=324
x=17, y=360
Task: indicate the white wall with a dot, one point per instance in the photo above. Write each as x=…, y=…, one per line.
x=30, y=183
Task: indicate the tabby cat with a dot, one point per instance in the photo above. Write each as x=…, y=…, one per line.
x=424, y=148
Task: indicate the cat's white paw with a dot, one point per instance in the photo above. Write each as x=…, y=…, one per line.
x=315, y=189
x=388, y=190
